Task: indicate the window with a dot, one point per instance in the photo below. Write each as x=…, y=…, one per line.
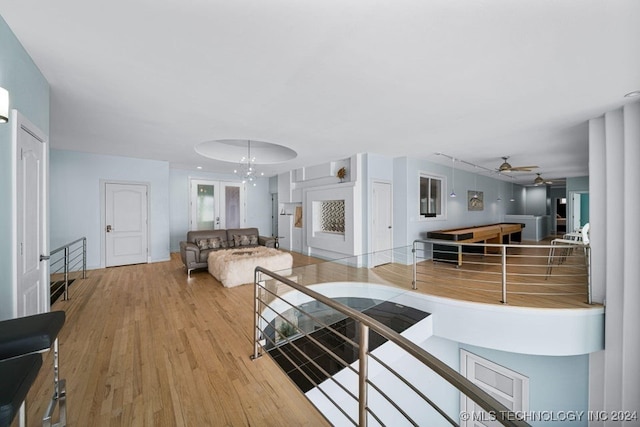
x=431, y=196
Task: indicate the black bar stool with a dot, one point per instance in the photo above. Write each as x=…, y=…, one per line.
x=22, y=341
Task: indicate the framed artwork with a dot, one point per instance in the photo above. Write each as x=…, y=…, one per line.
x=475, y=200
x=298, y=217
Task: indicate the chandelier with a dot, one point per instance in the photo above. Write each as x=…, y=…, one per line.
x=246, y=169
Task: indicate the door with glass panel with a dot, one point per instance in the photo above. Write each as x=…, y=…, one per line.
x=216, y=204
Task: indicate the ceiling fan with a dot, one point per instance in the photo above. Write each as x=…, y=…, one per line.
x=506, y=167
x=540, y=180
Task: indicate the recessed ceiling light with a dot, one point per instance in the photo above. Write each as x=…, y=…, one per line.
x=198, y=167
x=633, y=94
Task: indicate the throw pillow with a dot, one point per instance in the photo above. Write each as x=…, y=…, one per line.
x=240, y=240
x=253, y=239
x=215, y=243
x=202, y=244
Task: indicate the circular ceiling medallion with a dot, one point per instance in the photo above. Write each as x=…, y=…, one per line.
x=232, y=150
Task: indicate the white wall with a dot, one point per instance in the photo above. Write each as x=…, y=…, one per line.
x=75, y=180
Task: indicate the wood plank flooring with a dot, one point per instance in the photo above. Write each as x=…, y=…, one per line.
x=144, y=345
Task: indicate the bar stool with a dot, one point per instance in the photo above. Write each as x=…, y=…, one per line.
x=574, y=240
x=22, y=341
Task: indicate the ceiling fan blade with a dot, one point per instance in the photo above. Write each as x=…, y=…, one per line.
x=523, y=168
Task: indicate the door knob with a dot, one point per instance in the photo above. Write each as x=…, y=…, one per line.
x=108, y=229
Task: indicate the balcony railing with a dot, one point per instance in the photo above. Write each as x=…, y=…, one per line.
x=504, y=270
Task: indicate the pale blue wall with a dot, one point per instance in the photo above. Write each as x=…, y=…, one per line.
x=536, y=201
x=75, y=183
x=29, y=94
x=258, y=208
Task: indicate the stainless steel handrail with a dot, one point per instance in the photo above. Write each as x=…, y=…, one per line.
x=472, y=391
x=503, y=249
x=70, y=256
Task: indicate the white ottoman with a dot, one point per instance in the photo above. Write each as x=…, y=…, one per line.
x=233, y=267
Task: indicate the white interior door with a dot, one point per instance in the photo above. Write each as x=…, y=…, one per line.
x=126, y=230
x=216, y=205
x=382, y=232
x=32, y=284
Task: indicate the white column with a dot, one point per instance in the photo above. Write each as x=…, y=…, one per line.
x=631, y=303
x=614, y=178
x=614, y=164
x=597, y=237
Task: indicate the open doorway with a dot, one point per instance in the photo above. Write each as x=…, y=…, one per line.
x=561, y=215
x=578, y=210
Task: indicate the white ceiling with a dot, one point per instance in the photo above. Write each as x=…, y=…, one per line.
x=475, y=79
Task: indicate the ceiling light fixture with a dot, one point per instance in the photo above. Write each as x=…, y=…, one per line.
x=4, y=105
x=453, y=178
x=632, y=94
x=247, y=168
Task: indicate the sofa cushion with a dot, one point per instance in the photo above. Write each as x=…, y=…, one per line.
x=241, y=232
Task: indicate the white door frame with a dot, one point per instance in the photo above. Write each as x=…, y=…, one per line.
x=103, y=223
x=21, y=122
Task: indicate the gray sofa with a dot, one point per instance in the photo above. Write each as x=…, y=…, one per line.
x=195, y=250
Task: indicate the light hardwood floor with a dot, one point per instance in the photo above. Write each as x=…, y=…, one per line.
x=144, y=345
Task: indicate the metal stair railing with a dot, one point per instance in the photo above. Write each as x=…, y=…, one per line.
x=264, y=307
x=65, y=260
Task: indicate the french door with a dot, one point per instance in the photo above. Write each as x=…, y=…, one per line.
x=216, y=205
